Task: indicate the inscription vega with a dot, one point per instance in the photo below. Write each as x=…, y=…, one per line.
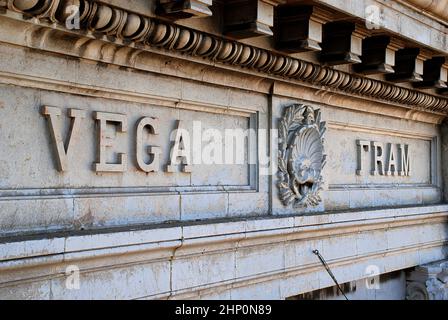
x=178, y=155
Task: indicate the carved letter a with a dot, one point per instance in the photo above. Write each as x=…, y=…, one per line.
x=62, y=149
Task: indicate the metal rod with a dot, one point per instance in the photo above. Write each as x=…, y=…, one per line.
x=327, y=267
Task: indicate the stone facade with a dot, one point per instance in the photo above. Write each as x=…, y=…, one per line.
x=169, y=150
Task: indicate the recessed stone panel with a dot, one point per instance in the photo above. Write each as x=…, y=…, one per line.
x=72, y=161
x=31, y=145
x=371, y=161
x=349, y=158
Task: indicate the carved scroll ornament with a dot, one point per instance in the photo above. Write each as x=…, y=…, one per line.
x=301, y=156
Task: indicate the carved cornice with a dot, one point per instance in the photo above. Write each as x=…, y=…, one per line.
x=134, y=29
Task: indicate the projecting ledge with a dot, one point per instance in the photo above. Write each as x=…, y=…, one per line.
x=16, y=252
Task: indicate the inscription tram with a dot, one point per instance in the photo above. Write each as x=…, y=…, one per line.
x=386, y=159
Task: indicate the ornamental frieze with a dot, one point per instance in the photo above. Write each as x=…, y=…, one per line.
x=133, y=29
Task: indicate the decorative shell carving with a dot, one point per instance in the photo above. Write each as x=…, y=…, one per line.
x=301, y=156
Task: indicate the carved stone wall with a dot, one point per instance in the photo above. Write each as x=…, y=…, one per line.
x=90, y=119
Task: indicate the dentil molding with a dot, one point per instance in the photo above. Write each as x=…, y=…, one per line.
x=135, y=29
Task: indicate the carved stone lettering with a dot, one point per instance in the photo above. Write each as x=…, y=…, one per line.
x=386, y=159
x=180, y=157
x=154, y=151
x=180, y=150
x=377, y=158
x=405, y=169
x=392, y=161
x=62, y=148
x=103, y=118
x=363, y=146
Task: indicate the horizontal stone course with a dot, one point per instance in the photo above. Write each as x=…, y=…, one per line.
x=290, y=240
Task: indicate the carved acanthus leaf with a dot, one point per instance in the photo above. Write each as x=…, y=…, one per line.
x=301, y=156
